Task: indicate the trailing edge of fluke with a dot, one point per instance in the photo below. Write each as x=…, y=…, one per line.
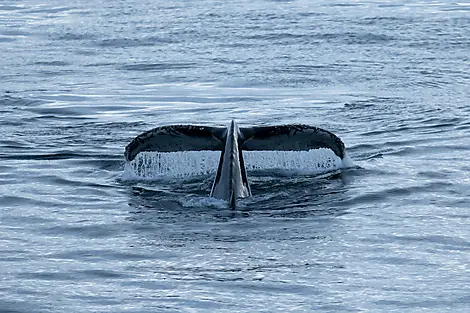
x=231, y=181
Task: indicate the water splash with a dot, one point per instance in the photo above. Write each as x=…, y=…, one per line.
x=205, y=202
x=129, y=173
x=314, y=161
x=156, y=165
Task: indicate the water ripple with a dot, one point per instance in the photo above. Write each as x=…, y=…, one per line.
x=80, y=81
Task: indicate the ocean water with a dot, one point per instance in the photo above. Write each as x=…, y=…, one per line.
x=79, y=80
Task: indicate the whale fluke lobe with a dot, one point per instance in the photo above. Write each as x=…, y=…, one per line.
x=295, y=137
x=174, y=138
x=231, y=180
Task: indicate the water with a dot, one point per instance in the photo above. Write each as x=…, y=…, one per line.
x=80, y=80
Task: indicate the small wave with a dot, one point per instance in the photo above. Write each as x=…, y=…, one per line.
x=265, y=198
x=442, y=241
x=72, y=36
x=275, y=36
x=48, y=156
x=7, y=100
x=44, y=10
x=394, y=192
x=133, y=42
x=83, y=230
x=6, y=39
x=157, y=66
x=11, y=7
x=374, y=102
x=345, y=5
x=381, y=20
x=51, y=63
x=207, y=202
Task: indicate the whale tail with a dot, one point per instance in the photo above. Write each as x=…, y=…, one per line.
x=174, y=138
x=231, y=181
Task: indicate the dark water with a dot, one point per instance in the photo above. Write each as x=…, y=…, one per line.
x=81, y=79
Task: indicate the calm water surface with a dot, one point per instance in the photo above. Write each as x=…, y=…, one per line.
x=81, y=79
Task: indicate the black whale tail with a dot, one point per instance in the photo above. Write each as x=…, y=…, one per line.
x=295, y=137
x=231, y=181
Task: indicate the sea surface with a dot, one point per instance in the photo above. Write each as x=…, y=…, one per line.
x=81, y=79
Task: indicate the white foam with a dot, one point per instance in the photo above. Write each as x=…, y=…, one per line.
x=347, y=162
x=156, y=165
x=208, y=202
x=129, y=173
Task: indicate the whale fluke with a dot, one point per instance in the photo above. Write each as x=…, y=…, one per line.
x=231, y=181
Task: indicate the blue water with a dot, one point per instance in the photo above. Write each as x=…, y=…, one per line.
x=79, y=80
